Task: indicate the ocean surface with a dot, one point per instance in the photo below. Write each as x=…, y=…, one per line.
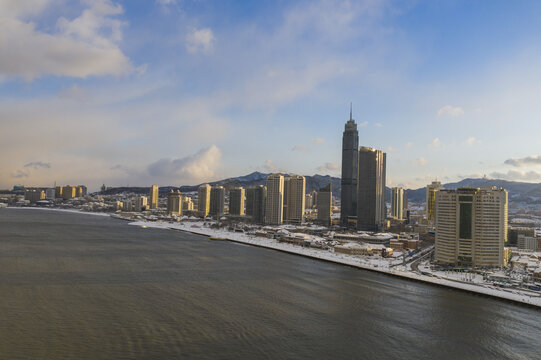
x=76, y=286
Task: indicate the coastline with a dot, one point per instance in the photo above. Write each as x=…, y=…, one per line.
x=358, y=262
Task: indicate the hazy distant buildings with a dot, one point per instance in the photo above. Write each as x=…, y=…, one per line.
x=174, y=202
x=350, y=151
x=187, y=204
x=397, y=203
x=50, y=193
x=528, y=243
x=34, y=195
x=236, y=201
x=217, y=201
x=308, y=201
x=295, y=188
x=140, y=203
x=274, y=206
x=154, y=195
x=203, y=200
x=250, y=201
x=431, y=190
x=324, y=205
x=69, y=192
x=471, y=226
x=58, y=192
x=371, y=211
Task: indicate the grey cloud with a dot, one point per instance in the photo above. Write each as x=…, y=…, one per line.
x=328, y=167
x=517, y=175
x=526, y=161
x=199, y=166
x=38, y=165
x=20, y=174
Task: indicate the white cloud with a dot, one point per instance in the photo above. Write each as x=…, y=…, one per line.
x=420, y=161
x=200, y=40
x=378, y=125
x=390, y=149
x=471, y=140
x=517, y=175
x=526, y=161
x=451, y=111
x=198, y=167
x=318, y=141
x=81, y=47
x=409, y=144
x=435, y=143
x=363, y=124
x=270, y=166
x=328, y=167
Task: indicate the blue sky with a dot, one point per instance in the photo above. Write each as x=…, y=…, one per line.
x=183, y=92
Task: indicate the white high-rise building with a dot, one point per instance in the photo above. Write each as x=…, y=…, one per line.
x=397, y=203
x=275, y=199
x=471, y=226
x=174, y=203
x=154, y=195
x=295, y=186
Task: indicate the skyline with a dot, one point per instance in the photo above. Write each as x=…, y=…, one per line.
x=89, y=94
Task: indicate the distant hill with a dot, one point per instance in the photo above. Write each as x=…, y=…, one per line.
x=314, y=182
x=519, y=192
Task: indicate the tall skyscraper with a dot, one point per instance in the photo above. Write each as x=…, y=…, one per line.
x=217, y=201
x=324, y=205
x=259, y=203
x=203, y=200
x=350, y=151
x=154, y=194
x=471, y=226
x=174, y=202
x=295, y=186
x=371, y=211
x=274, y=206
x=431, y=190
x=236, y=201
x=397, y=203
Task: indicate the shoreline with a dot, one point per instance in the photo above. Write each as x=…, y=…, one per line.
x=349, y=260
x=324, y=255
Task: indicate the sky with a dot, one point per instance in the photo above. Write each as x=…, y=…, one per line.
x=178, y=92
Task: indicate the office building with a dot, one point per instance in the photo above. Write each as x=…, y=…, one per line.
x=217, y=201
x=324, y=205
x=154, y=196
x=514, y=232
x=350, y=152
x=174, y=202
x=274, y=205
x=314, y=199
x=58, y=192
x=236, y=201
x=397, y=203
x=50, y=193
x=471, y=226
x=371, y=210
x=295, y=188
x=308, y=201
x=431, y=190
x=203, y=200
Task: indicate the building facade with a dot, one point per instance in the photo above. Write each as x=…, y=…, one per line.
x=69, y=192
x=154, y=195
x=217, y=201
x=203, y=200
x=295, y=186
x=274, y=206
x=397, y=203
x=350, y=151
x=324, y=205
x=259, y=202
x=174, y=202
x=471, y=226
x=371, y=210
x=236, y=201
x=431, y=190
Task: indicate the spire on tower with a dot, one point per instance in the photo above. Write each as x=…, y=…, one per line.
x=350, y=111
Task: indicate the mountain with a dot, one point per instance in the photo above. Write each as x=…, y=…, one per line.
x=314, y=182
x=519, y=192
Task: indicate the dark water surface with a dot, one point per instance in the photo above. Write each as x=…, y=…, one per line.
x=81, y=286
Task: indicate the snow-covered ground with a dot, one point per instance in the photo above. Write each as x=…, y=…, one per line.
x=363, y=262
